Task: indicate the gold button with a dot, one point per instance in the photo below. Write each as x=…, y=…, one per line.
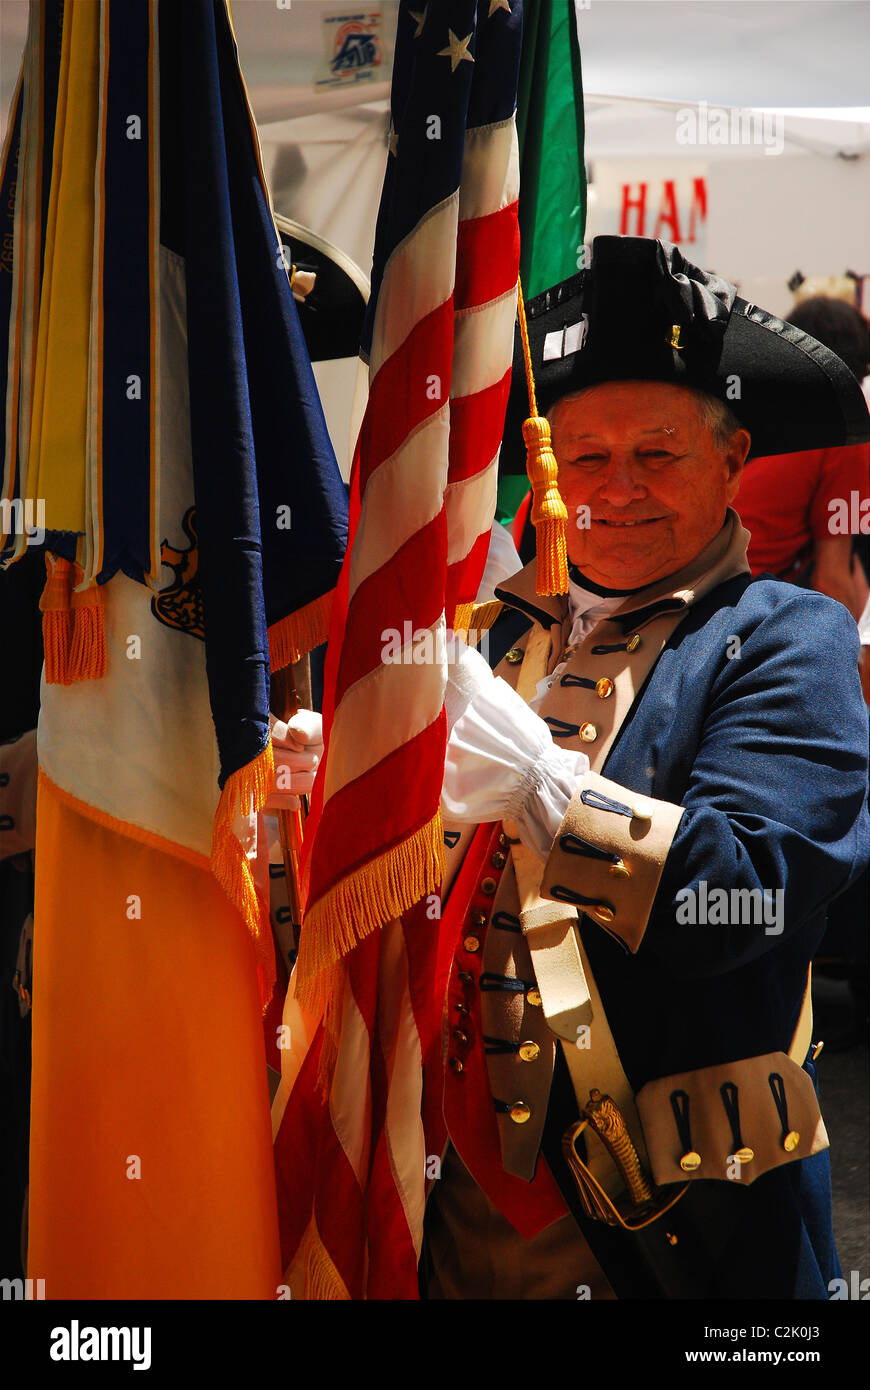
x=498, y=860
x=472, y=943
x=791, y=1141
x=503, y=839
x=604, y=688
x=672, y=1239
x=514, y=656
x=641, y=809
x=529, y=1051
x=602, y=912
x=633, y=642
x=745, y=1155
x=457, y=1064
x=690, y=1161
x=488, y=886
x=619, y=870
x=478, y=918
x=588, y=733
x=462, y=1008
x=460, y=1036
x=520, y=1112
x=533, y=997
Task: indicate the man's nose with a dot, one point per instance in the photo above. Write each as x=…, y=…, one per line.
x=621, y=483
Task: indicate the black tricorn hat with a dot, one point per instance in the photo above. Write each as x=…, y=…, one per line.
x=331, y=312
x=643, y=312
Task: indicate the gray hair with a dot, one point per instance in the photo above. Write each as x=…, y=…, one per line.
x=715, y=415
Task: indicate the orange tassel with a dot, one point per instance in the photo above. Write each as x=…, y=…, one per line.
x=87, y=655
x=56, y=618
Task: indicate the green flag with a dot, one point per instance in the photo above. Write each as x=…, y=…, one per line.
x=550, y=130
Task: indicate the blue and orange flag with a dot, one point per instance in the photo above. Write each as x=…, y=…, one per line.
x=163, y=428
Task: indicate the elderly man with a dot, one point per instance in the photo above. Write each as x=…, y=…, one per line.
x=672, y=764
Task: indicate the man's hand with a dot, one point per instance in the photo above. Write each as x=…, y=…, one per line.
x=298, y=748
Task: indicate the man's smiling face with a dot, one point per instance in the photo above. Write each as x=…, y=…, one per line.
x=640, y=456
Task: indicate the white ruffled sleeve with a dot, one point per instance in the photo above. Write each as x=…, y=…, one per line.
x=501, y=761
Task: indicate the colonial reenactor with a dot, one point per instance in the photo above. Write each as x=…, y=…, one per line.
x=670, y=767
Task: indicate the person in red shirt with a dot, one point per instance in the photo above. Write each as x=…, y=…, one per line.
x=795, y=507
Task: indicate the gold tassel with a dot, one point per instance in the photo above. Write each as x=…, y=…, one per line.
x=549, y=513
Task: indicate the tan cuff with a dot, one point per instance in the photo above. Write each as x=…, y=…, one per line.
x=635, y=832
x=18, y=771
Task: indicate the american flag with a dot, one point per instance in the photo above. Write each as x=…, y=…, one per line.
x=438, y=340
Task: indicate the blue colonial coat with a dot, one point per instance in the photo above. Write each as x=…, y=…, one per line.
x=727, y=730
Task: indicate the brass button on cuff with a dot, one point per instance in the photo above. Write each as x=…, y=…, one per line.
x=745, y=1155
x=602, y=912
x=604, y=688
x=529, y=1051
x=690, y=1161
x=791, y=1141
x=633, y=642
x=471, y=943
x=514, y=656
x=588, y=732
x=520, y=1112
x=642, y=809
x=533, y=997
x=488, y=886
x=620, y=870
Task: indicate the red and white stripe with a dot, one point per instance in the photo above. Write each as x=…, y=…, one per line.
x=423, y=506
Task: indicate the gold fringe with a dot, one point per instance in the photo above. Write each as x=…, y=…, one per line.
x=484, y=615
x=245, y=790
x=462, y=617
x=87, y=654
x=322, y=1279
x=300, y=632
x=361, y=903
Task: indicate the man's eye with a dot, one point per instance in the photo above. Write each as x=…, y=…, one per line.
x=589, y=458
x=655, y=454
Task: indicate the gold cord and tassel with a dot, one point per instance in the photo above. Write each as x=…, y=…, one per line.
x=549, y=513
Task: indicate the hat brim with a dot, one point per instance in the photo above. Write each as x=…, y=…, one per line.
x=331, y=314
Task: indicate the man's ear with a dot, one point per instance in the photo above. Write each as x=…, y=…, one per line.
x=735, y=458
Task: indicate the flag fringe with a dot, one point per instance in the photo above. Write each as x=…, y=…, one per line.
x=322, y=1279
x=364, y=901
x=246, y=789
x=300, y=632
x=73, y=625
